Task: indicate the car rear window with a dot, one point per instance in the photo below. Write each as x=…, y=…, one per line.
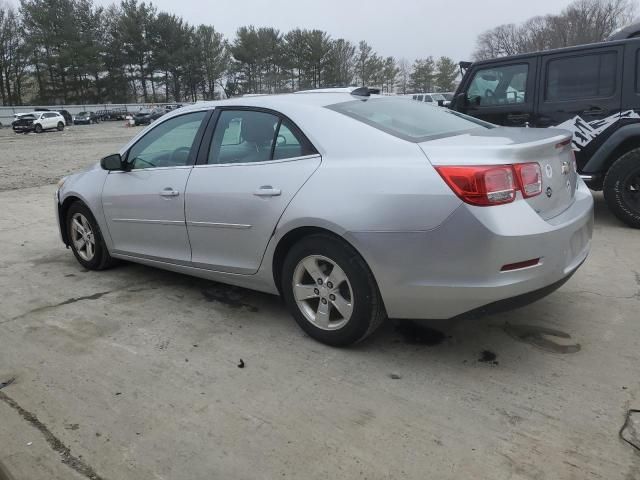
x=409, y=120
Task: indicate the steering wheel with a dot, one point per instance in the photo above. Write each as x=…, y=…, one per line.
x=173, y=159
x=281, y=140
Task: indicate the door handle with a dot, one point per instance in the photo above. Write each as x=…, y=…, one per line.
x=267, y=191
x=169, y=192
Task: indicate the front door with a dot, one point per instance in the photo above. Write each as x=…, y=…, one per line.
x=503, y=94
x=255, y=164
x=581, y=92
x=144, y=207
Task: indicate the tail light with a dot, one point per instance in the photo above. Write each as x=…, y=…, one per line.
x=493, y=184
x=530, y=178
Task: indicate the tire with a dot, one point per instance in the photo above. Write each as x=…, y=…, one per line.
x=622, y=188
x=37, y=128
x=358, y=289
x=60, y=126
x=100, y=258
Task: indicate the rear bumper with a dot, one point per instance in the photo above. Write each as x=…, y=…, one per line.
x=455, y=268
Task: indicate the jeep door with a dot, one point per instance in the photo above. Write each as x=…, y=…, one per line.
x=501, y=93
x=580, y=91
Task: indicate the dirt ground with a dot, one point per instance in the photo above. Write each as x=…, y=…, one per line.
x=133, y=373
x=31, y=160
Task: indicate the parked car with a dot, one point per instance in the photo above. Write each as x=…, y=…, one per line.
x=38, y=122
x=352, y=206
x=590, y=90
x=68, y=119
x=85, y=118
x=145, y=116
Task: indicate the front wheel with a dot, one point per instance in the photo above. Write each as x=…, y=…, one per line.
x=38, y=128
x=622, y=188
x=60, y=126
x=86, y=239
x=330, y=291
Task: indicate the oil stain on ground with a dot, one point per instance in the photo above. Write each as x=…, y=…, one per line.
x=544, y=338
x=232, y=297
x=416, y=334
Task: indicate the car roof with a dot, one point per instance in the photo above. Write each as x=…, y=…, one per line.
x=576, y=48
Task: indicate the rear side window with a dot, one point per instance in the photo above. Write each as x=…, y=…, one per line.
x=503, y=85
x=585, y=76
x=412, y=121
x=245, y=136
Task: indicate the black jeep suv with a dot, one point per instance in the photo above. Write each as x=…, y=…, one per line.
x=591, y=90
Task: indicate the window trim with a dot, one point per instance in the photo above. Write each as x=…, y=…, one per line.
x=195, y=145
x=547, y=60
x=205, y=145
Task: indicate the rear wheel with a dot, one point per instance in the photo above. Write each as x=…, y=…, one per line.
x=86, y=239
x=622, y=188
x=38, y=128
x=330, y=291
x=60, y=126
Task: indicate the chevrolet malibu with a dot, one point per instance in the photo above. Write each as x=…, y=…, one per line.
x=351, y=206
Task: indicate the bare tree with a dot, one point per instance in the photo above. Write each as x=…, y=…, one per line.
x=404, y=71
x=583, y=21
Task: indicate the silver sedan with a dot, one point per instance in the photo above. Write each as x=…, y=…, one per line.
x=352, y=206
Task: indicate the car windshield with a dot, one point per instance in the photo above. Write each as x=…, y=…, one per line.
x=448, y=96
x=437, y=96
x=409, y=120
x=83, y=114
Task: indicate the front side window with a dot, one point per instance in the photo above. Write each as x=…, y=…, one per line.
x=412, y=121
x=245, y=136
x=506, y=85
x=585, y=76
x=170, y=144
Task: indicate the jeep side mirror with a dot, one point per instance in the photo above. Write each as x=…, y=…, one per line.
x=112, y=162
x=460, y=102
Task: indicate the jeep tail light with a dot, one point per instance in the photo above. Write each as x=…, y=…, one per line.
x=481, y=185
x=493, y=184
x=530, y=178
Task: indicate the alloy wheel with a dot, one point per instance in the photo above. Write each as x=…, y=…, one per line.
x=322, y=292
x=82, y=236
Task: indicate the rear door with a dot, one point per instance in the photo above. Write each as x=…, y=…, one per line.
x=580, y=91
x=254, y=165
x=502, y=93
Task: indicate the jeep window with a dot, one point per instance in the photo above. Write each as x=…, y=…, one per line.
x=505, y=85
x=585, y=76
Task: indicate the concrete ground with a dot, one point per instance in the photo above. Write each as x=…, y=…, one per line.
x=132, y=373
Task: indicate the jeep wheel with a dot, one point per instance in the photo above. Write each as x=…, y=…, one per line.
x=622, y=188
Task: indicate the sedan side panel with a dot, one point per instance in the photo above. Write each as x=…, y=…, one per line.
x=233, y=209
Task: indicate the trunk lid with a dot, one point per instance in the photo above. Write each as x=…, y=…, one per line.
x=499, y=146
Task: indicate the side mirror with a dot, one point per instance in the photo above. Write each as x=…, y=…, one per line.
x=112, y=162
x=440, y=103
x=460, y=102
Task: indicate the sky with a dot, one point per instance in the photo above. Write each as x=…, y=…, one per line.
x=401, y=28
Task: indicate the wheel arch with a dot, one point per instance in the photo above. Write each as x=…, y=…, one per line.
x=622, y=141
x=295, y=235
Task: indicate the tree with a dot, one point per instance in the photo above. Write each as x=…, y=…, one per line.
x=403, y=75
x=422, y=75
x=583, y=21
x=340, y=64
x=447, y=72
x=215, y=58
x=13, y=55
